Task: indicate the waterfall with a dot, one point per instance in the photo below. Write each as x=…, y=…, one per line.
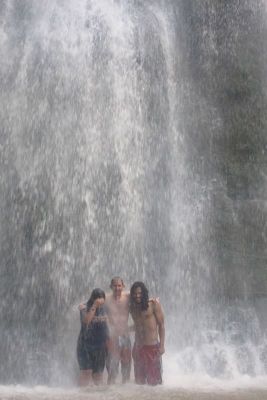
x=133, y=143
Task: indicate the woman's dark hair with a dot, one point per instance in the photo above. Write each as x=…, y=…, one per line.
x=96, y=294
x=144, y=297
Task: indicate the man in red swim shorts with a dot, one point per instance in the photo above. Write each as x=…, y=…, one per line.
x=149, y=336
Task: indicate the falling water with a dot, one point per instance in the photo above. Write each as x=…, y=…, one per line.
x=133, y=142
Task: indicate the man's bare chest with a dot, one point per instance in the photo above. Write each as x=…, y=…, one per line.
x=118, y=307
x=141, y=317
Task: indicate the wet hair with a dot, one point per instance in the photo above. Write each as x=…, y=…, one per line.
x=96, y=294
x=144, y=295
x=116, y=278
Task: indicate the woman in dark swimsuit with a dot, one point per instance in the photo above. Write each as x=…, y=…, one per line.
x=91, y=346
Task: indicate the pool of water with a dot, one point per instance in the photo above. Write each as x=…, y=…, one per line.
x=216, y=390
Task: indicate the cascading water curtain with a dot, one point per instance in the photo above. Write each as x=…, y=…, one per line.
x=127, y=149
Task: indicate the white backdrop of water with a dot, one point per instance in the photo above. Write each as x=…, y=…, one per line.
x=116, y=158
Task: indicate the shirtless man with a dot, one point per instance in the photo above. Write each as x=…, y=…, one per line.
x=119, y=348
x=149, y=335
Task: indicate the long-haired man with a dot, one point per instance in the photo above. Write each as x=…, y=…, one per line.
x=149, y=335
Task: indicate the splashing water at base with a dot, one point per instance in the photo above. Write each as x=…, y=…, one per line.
x=131, y=392
x=126, y=148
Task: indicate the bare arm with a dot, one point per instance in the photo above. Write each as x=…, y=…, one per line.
x=109, y=313
x=89, y=315
x=160, y=320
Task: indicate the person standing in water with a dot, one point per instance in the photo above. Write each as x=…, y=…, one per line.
x=149, y=336
x=119, y=348
x=93, y=337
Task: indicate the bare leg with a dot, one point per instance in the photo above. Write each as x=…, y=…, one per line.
x=85, y=377
x=113, y=360
x=98, y=378
x=126, y=360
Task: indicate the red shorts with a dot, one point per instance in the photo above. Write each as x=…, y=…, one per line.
x=147, y=364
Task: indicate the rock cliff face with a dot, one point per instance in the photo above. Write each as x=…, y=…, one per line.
x=226, y=47
x=133, y=142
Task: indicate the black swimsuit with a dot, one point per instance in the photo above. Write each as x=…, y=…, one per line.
x=91, y=346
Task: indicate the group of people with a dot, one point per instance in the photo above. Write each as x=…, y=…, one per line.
x=104, y=339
